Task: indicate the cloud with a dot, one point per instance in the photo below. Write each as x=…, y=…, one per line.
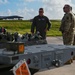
x=3, y=1
x=26, y=13
x=53, y=8
x=9, y=12
x=22, y=10
x=6, y=13
x=29, y=0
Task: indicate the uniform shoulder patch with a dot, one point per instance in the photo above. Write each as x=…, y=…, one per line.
x=68, y=16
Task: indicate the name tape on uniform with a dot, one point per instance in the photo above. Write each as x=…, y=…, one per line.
x=21, y=68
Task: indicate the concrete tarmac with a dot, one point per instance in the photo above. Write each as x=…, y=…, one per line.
x=64, y=70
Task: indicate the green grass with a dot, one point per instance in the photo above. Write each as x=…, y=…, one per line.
x=24, y=26
x=54, y=31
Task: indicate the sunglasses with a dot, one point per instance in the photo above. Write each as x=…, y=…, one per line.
x=40, y=11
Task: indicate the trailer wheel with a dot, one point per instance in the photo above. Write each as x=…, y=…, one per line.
x=56, y=63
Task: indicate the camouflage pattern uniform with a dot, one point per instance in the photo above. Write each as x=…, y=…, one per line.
x=67, y=28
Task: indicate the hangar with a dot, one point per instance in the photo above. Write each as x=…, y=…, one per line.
x=11, y=18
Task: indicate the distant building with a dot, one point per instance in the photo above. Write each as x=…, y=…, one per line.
x=31, y=20
x=11, y=18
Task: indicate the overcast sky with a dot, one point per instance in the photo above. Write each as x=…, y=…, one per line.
x=29, y=8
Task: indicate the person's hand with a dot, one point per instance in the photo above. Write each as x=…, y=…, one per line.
x=46, y=29
x=32, y=33
x=65, y=32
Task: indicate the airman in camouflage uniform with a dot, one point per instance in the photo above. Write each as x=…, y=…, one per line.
x=68, y=25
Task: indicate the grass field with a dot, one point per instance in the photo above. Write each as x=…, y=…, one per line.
x=24, y=27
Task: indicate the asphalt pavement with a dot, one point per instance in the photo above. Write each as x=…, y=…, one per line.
x=64, y=70
x=54, y=40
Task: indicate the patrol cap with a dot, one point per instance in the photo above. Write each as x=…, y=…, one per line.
x=67, y=6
